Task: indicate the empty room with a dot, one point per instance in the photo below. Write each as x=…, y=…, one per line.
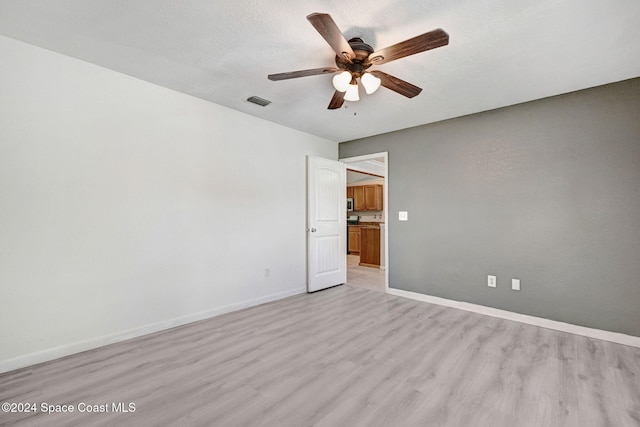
x=320, y=213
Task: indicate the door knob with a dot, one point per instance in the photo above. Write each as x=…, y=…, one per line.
x=313, y=230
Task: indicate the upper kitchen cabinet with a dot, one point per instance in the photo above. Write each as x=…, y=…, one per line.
x=349, y=192
x=373, y=197
x=358, y=198
x=367, y=197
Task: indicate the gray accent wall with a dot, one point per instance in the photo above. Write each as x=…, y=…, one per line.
x=547, y=192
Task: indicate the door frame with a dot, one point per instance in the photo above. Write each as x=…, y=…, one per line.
x=385, y=204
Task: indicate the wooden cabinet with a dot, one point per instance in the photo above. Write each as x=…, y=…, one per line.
x=364, y=240
x=370, y=246
x=373, y=197
x=354, y=240
x=358, y=198
x=349, y=192
x=366, y=197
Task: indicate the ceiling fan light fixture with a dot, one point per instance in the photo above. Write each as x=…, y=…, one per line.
x=352, y=92
x=341, y=81
x=370, y=82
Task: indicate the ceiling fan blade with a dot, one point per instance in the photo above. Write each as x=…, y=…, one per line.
x=302, y=73
x=424, y=42
x=396, y=84
x=328, y=29
x=336, y=101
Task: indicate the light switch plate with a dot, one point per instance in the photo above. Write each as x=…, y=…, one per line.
x=403, y=216
x=515, y=284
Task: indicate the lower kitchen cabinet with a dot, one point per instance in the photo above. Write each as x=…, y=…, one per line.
x=370, y=246
x=354, y=240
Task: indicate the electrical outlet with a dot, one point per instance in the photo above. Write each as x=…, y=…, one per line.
x=515, y=284
x=403, y=216
x=491, y=281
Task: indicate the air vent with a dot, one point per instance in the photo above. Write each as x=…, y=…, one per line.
x=260, y=101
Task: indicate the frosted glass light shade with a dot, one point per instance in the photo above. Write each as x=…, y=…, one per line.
x=341, y=81
x=352, y=93
x=370, y=82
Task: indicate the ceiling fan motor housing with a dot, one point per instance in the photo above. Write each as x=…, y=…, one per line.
x=357, y=66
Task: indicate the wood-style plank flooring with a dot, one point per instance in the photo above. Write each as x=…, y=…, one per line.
x=345, y=356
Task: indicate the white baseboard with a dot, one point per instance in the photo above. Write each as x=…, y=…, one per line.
x=80, y=346
x=522, y=318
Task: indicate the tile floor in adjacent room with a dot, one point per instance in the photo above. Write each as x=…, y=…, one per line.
x=364, y=277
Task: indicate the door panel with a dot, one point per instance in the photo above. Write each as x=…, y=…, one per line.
x=326, y=223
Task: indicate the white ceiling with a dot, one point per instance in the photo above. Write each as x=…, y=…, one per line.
x=501, y=52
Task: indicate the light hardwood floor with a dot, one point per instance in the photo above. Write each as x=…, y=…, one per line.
x=345, y=356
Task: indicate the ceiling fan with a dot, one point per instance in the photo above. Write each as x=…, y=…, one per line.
x=354, y=57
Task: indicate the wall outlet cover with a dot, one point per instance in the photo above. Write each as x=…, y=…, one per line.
x=515, y=284
x=491, y=281
x=403, y=216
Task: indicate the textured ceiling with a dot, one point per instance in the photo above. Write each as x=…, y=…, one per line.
x=501, y=52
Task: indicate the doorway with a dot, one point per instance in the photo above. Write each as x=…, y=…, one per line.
x=370, y=169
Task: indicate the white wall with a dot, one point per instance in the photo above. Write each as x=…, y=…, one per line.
x=126, y=207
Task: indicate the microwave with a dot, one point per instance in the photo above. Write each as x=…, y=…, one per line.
x=349, y=204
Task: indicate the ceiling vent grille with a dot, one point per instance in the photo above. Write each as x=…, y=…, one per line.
x=260, y=101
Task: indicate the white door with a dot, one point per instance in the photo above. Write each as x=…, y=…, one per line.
x=326, y=223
